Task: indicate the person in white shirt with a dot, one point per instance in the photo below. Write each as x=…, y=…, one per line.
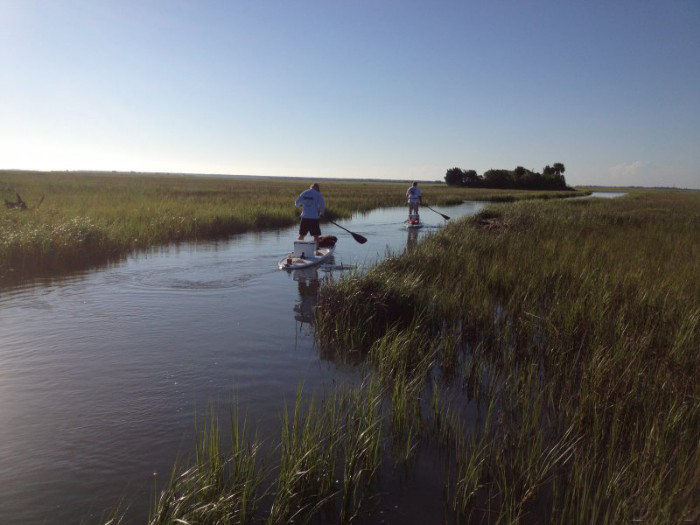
x=312, y=208
x=414, y=199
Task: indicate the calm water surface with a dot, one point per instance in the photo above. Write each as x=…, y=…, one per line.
x=101, y=373
x=604, y=195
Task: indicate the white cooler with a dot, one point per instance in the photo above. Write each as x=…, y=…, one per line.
x=304, y=248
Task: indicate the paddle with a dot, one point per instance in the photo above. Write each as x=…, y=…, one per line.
x=359, y=238
x=443, y=215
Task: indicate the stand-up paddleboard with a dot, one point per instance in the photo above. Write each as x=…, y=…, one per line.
x=414, y=222
x=307, y=253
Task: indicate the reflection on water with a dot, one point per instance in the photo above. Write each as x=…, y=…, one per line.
x=308, y=285
x=411, y=238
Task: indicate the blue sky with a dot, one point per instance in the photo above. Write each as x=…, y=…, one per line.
x=370, y=89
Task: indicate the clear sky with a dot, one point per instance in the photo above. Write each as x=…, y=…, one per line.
x=371, y=89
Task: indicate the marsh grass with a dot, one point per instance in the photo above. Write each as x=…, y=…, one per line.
x=76, y=220
x=323, y=467
x=548, y=350
x=578, y=328
x=219, y=487
x=308, y=455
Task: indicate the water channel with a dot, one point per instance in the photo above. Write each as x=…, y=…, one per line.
x=102, y=372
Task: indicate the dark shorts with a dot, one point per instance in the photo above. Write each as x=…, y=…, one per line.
x=311, y=226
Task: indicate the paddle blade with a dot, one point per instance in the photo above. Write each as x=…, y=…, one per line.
x=441, y=214
x=359, y=238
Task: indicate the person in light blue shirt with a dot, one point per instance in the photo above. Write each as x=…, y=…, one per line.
x=414, y=200
x=312, y=208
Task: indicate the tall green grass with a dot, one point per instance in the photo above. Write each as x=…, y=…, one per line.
x=88, y=218
x=578, y=329
x=549, y=351
x=322, y=467
x=218, y=487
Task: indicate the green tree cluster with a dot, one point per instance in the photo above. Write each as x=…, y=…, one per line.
x=551, y=178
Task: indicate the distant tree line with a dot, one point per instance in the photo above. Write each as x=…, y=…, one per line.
x=551, y=178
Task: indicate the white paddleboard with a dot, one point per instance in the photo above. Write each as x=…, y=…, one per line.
x=292, y=262
x=308, y=253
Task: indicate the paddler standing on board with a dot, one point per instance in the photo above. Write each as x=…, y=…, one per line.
x=414, y=200
x=312, y=207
